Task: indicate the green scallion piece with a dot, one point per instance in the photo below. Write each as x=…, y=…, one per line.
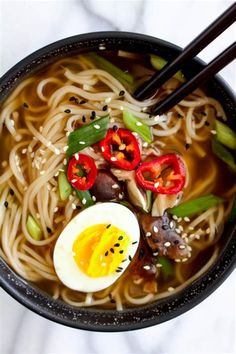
x=222, y=153
x=33, y=228
x=136, y=125
x=167, y=268
x=85, y=198
x=87, y=135
x=158, y=63
x=225, y=135
x=196, y=206
x=124, y=78
x=149, y=200
x=65, y=188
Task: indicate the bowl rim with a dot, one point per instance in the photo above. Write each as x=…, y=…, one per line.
x=157, y=312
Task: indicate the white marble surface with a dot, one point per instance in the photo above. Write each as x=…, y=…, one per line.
x=30, y=24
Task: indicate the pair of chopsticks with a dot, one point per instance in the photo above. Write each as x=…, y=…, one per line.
x=192, y=49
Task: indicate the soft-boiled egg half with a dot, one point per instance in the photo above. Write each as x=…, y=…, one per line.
x=96, y=247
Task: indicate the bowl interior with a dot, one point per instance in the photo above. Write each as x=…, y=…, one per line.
x=162, y=310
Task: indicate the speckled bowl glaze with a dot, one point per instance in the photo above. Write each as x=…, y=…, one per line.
x=109, y=320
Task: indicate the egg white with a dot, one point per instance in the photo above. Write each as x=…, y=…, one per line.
x=106, y=213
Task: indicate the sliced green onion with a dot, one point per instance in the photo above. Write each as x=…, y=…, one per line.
x=223, y=154
x=33, y=228
x=87, y=135
x=106, y=65
x=225, y=135
x=158, y=63
x=196, y=206
x=149, y=200
x=136, y=125
x=167, y=267
x=85, y=198
x=65, y=188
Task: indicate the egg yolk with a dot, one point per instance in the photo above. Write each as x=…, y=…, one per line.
x=100, y=249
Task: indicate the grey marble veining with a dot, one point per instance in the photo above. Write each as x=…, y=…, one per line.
x=30, y=24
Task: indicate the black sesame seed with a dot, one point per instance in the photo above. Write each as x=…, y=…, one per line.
x=78, y=207
x=133, y=243
x=6, y=204
x=120, y=238
x=114, y=128
x=25, y=105
x=176, y=242
x=116, y=245
x=187, y=146
x=113, y=301
x=141, y=254
x=112, y=250
x=165, y=227
x=121, y=251
x=121, y=93
x=67, y=110
x=83, y=119
x=118, y=270
x=106, y=254
x=104, y=108
x=107, y=227
x=11, y=192
x=92, y=117
x=49, y=230
x=130, y=258
x=207, y=123
x=124, y=260
x=82, y=102
x=93, y=114
x=72, y=99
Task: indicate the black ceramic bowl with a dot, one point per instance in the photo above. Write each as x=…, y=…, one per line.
x=107, y=320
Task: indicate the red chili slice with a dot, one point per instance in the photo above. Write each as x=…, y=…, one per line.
x=81, y=172
x=121, y=148
x=164, y=174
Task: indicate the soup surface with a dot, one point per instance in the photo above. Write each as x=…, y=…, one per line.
x=101, y=202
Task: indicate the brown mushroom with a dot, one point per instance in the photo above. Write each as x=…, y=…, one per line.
x=162, y=238
x=107, y=187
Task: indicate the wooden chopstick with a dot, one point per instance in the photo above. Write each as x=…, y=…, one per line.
x=210, y=70
x=192, y=49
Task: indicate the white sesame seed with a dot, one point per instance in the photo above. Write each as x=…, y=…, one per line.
x=57, y=151
x=139, y=124
x=186, y=219
x=158, y=265
x=49, y=144
x=65, y=162
x=175, y=217
x=113, y=158
x=192, y=236
x=41, y=129
x=155, y=229
x=83, y=201
x=181, y=228
x=145, y=144
x=76, y=156
x=101, y=46
x=182, y=247
x=156, y=185
x=146, y=267
x=179, y=219
x=82, y=142
x=67, y=134
x=172, y=224
x=178, y=231
x=56, y=209
x=97, y=126
x=24, y=151
x=73, y=206
x=184, y=259
x=148, y=234
x=167, y=244
x=94, y=198
x=191, y=228
x=121, y=108
x=208, y=230
x=177, y=260
x=121, y=195
x=114, y=186
x=43, y=161
x=108, y=100
x=112, y=120
x=42, y=172
x=155, y=254
x=102, y=148
x=184, y=235
x=170, y=289
x=73, y=180
x=70, y=197
x=65, y=148
x=42, y=152
x=56, y=174
x=122, y=147
x=197, y=237
x=61, y=170
x=213, y=132
x=135, y=134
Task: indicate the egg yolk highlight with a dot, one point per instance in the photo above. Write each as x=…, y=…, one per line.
x=100, y=249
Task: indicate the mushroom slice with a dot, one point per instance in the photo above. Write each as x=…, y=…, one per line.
x=107, y=187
